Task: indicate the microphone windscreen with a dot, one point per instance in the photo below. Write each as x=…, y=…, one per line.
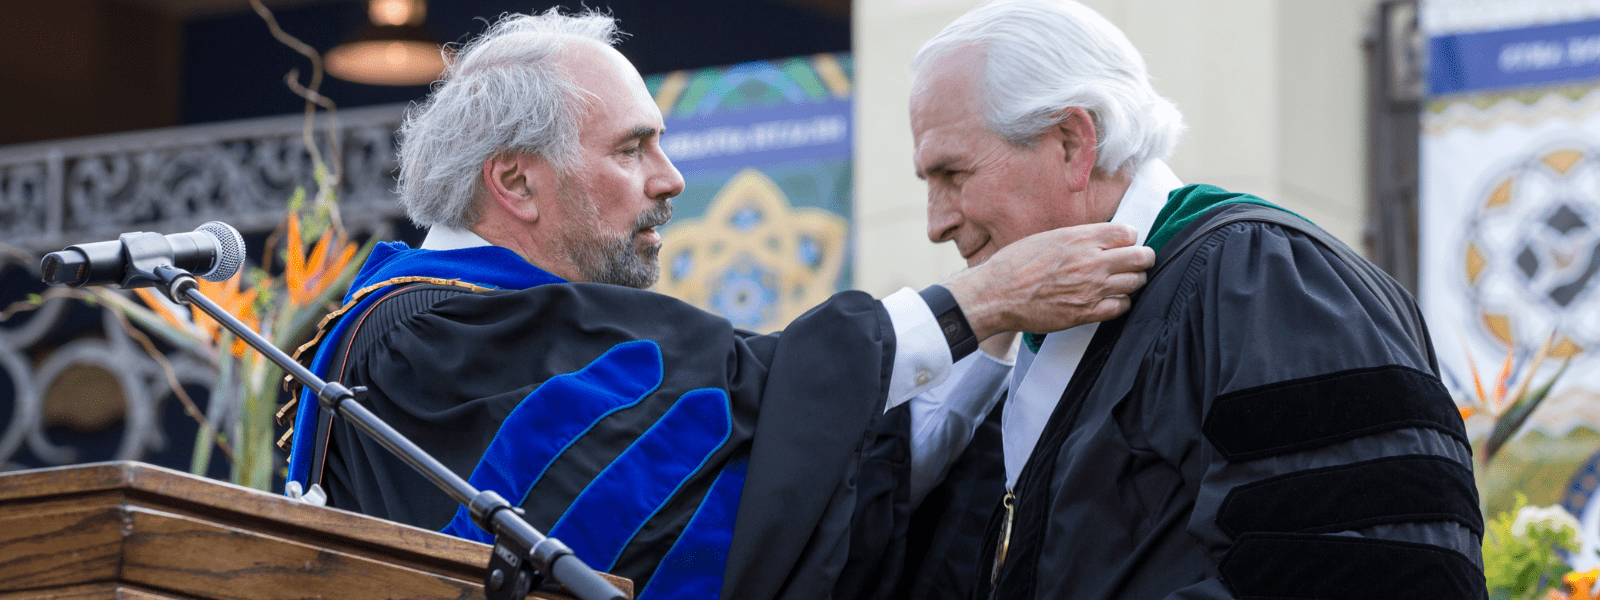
x=230, y=250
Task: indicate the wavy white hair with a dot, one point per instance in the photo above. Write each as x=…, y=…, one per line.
x=1043, y=56
x=504, y=92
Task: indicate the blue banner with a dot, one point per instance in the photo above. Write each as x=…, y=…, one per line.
x=759, y=136
x=1514, y=57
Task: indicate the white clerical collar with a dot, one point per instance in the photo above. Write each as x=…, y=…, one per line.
x=441, y=237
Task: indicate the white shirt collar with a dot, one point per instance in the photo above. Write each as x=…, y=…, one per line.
x=441, y=237
x=1035, y=392
x=1145, y=197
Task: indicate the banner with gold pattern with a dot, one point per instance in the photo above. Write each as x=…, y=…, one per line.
x=1509, y=252
x=761, y=232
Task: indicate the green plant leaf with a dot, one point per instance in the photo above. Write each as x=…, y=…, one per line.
x=205, y=439
x=297, y=199
x=1517, y=414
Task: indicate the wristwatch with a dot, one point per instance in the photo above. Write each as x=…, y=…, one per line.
x=957, y=331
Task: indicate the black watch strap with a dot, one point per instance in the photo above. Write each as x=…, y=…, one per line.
x=957, y=332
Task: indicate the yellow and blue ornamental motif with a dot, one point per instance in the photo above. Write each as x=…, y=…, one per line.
x=1532, y=257
x=763, y=223
x=753, y=258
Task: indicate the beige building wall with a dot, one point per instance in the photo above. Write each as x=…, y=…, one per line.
x=1272, y=90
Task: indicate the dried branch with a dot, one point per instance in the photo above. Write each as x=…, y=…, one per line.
x=335, y=166
x=189, y=406
x=8, y=251
x=292, y=79
x=313, y=99
x=35, y=301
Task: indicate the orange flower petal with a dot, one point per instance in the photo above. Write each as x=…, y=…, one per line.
x=1472, y=365
x=157, y=305
x=227, y=295
x=1505, y=377
x=317, y=279
x=334, y=268
x=319, y=252
x=344, y=258
x=1581, y=585
x=294, y=269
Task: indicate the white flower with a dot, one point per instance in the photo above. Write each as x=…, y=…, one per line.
x=1550, y=519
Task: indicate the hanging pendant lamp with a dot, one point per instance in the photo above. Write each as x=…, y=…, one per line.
x=393, y=49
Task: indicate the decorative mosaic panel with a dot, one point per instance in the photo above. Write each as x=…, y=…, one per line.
x=761, y=232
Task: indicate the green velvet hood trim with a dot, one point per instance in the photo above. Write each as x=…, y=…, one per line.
x=1184, y=205
x=1187, y=203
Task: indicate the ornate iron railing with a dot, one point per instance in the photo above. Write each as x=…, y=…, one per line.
x=62, y=192
x=58, y=193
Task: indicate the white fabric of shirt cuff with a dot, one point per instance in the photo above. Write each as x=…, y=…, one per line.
x=921, y=356
x=944, y=419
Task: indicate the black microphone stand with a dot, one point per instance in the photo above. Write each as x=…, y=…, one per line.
x=522, y=556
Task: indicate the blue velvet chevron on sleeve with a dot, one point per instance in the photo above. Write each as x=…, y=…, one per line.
x=610, y=511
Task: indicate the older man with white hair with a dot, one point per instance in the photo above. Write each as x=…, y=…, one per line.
x=518, y=346
x=1266, y=422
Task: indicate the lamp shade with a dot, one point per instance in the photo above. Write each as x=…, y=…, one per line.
x=387, y=55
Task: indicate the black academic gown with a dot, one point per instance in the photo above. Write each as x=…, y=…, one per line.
x=1265, y=422
x=800, y=406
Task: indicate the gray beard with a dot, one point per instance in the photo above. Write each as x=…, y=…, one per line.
x=619, y=261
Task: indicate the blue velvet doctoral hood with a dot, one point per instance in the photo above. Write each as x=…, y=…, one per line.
x=487, y=266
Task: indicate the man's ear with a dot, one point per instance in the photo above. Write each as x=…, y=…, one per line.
x=518, y=183
x=1078, y=141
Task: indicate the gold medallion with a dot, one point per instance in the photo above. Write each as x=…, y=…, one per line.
x=1005, y=538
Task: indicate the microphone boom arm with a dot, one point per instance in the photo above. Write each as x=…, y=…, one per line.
x=522, y=555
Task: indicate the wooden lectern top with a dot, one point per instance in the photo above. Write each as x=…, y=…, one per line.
x=138, y=531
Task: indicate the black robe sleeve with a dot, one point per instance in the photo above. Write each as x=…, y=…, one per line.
x=800, y=405
x=928, y=551
x=1330, y=454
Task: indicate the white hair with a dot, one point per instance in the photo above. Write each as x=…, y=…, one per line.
x=1044, y=56
x=503, y=92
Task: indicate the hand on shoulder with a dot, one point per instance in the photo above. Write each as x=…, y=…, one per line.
x=1053, y=280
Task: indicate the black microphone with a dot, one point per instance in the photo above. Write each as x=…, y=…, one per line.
x=214, y=251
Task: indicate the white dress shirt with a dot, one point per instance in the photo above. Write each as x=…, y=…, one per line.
x=950, y=399
x=1035, y=392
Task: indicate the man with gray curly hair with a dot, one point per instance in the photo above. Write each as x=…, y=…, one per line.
x=1267, y=420
x=519, y=347
x=510, y=105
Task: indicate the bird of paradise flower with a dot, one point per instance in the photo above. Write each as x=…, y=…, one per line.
x=283, y=309
x=1509, y=411
x=228, y=294
x=311, y=276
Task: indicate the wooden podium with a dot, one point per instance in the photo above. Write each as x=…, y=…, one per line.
x=137, y=531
